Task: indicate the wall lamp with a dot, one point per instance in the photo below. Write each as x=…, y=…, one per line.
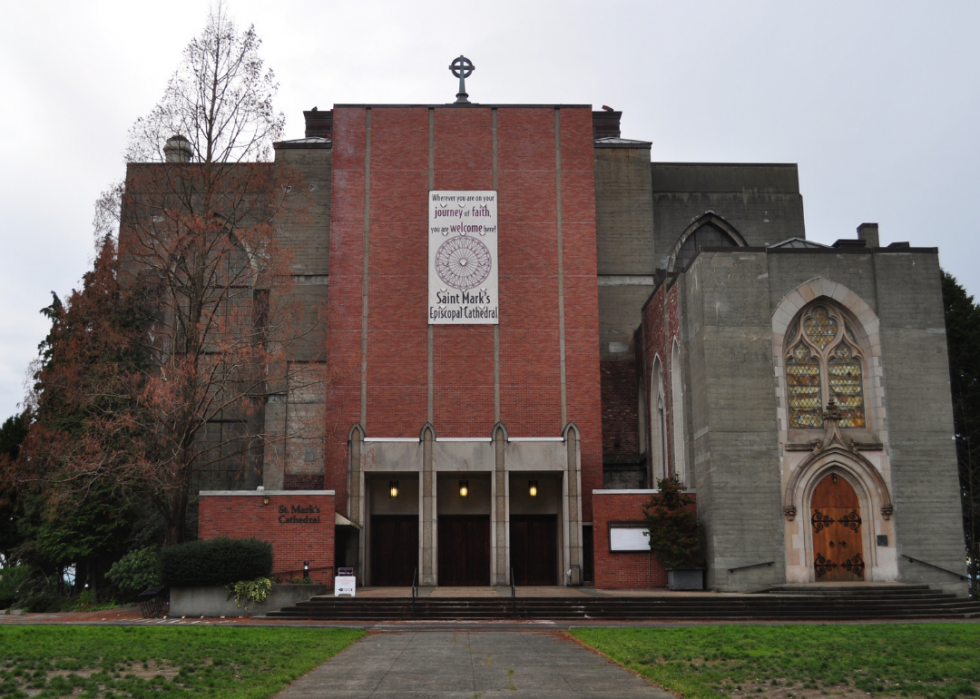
x=393, y=489
x=464, y=488
x=532, y=488
x=265, y=500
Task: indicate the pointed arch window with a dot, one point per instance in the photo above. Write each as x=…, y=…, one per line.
x=823, y=361
x=708, y=235
x=658, y=424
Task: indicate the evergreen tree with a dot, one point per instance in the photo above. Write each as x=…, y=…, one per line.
x=963, y=340
x=12, y=434
x=84, y=421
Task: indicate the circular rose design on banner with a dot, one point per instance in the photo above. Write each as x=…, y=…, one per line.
x=463, y=262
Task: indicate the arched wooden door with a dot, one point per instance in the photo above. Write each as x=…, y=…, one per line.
x=835, y=518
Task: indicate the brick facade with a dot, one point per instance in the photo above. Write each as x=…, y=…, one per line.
x=623, y=570
x=656, y=336
x=391, y=162
x=620, y=418
x=286, y=521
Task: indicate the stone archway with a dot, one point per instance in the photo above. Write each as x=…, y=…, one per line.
x=865, y=504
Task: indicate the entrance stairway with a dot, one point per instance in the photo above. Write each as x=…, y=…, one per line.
x=784, y=602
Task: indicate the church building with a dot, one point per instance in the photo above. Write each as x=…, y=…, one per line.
x=529, y=322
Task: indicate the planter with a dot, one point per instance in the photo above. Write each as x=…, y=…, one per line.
x=214, y=602
x=685, y=579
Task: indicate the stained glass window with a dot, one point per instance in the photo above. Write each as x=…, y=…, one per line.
x=820, y=328
x=824, y=351
x=847, y=385
x=803, y=379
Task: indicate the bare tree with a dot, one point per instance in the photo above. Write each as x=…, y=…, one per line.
x=198, y=230
x=188, y=326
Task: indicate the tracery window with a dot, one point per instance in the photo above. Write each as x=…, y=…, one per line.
x=823, y=361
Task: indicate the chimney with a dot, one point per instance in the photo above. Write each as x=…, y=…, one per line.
x=177, y=150
x=868, y=232
x=319, y=124
x=605, y=124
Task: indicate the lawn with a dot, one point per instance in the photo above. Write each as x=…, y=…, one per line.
x=130, y=661
x=812, y=661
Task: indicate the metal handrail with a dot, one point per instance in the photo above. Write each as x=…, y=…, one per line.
x=931, y=565
x=752, y=565
x=513, y=588
x=415, y=588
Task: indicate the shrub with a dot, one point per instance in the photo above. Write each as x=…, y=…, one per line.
x=246, y=591
x=10, y=581
x=674, y=531
x=85, y=600
x=45, y=602
x=215, y=562
x=136, y=571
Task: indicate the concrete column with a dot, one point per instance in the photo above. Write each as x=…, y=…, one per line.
x=274, y=456
x=356, y=505
x=572, y=509
x=429, y=567
x=500, y=512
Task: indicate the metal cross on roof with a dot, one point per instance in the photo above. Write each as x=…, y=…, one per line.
x=462, y=68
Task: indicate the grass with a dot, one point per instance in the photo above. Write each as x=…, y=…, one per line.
x=936, y=661
x=137, y=662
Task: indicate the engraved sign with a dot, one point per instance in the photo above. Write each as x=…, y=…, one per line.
x=629, y=539
x=463, y=258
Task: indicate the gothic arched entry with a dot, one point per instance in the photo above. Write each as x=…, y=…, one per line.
x=835, y=518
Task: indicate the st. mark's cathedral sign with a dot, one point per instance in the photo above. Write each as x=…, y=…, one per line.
x=463, y=258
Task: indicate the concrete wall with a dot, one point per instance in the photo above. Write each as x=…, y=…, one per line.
x=735, y=307
x=762, y=202
x=928, y=520
x=733, y=416
x=214, y=602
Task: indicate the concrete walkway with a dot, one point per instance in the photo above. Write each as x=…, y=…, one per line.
x=470, y=664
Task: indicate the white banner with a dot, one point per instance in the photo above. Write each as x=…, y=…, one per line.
x=629, y=539
x=463, y=258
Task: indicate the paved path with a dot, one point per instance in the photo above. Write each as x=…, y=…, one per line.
x=444, y=665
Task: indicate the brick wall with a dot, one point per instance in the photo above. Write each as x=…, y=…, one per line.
x=285, y=522
x=620, y=418
x=296, y=481
x=660, y=327
x=463, y=379
x=627, y=570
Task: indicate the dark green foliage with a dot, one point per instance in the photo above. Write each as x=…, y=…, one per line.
x=45, y=602
x=963, y=341
x=674, y=534
x=136, y=571
x=215, y=562
x=12, y=434
x=11, y=580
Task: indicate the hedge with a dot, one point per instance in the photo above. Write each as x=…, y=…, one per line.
x=215, y=562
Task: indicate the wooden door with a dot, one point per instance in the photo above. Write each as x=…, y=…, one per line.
x=835, y=518
x=464, y=549
x=394, y=549
x=534, y=549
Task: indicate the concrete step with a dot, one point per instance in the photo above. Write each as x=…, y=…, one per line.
x=782, y=602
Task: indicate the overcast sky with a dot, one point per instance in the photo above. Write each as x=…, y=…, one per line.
x=876, y=101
